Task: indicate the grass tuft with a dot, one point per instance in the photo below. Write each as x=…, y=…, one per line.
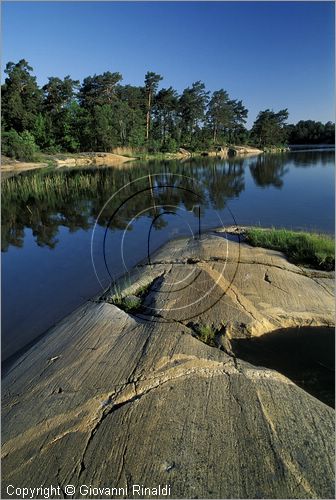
x=312, y=250
x=206, y=334
x=130, y=303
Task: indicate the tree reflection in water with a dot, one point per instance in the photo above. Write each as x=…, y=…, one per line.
x=45, y=201
x=268, y=170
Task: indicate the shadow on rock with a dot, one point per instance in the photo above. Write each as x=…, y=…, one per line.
x=305, y=355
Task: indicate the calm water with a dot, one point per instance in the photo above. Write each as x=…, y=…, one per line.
x=66, y=233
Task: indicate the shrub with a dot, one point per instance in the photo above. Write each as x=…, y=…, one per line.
x=170, y=146
x=19, y=146
x=154, y=146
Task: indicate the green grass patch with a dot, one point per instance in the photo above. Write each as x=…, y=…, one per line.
x=206, y=334
x=309, y=249
x=130, y=303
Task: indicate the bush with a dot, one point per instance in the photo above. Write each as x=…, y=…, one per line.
x=170, y=146
x=154, y=146
x=19, y=146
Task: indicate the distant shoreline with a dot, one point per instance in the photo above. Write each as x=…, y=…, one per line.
x=311, y=147
x=10, y=166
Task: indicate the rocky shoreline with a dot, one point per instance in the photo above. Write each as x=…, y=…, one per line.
x=153, y=392
x=74, y=160
x=111, y=159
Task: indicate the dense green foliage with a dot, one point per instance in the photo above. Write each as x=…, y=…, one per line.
x=101, y=114
x=21, y=146
x=269, y=128
x=313, y=250
x=311, y=132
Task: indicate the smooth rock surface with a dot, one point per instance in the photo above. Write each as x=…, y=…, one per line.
x=111, y=399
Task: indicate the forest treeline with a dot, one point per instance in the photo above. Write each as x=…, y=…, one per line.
x=101, y=114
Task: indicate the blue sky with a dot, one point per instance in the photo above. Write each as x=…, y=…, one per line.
x=269, y=54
